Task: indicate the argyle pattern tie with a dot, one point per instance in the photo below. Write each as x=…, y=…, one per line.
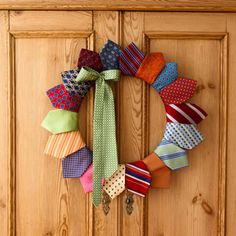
x=185, y=113
x=110, y=55
x=75, y=164
x=90, y=59
x=173, y=156
x=104, y=156
x=60, y=98
x=151, y=67
x=137, y=178
x=179, y=91
x=115, y=185
x=73, y=86
x=130, y=59
x=167, y=76
x=64, y=144
x=184, y=135
x=60, y=121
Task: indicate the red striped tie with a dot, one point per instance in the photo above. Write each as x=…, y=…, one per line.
x=185, y=113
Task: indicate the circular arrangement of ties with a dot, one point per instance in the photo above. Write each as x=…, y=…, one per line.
x=99, y=171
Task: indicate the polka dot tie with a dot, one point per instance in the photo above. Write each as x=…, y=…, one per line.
x=105, y=160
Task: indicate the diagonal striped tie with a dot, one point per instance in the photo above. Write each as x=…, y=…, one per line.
x=172, y=155
x=185, y=113
x=184, y=135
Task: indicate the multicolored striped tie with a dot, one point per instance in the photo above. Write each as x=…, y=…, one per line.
x=167, y=76
x=130, y=59
x=172, y=155
x=184, y=135
x=185, y=113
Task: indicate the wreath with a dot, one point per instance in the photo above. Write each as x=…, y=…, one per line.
x=99, y=171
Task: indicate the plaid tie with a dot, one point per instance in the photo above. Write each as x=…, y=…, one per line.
x=179, y=91
x=137, y=178
x=130, y=59
x=151, y=67
x=115, y=185
x=74, y=165
x=185, y=113
x=110, y=55
x=60, y=121
x=73, y=86
x=64, y=144
x=173, y=156
x=60, y=98
x=167, y=76
x=184, y=135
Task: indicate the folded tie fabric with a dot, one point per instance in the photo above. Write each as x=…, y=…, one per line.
x=153, y=162
x=186, y=136
x=110, y=55
x=62, y=145
x=75, y=164
x=185, y=113
x=90, y=59
x=115, y=185
x=60, y=121
x=137, y=178
x=87, y=180
x=173, y=156
x=179, y=91
x=167, y=76
x=161, y=178
x=60, y=98
x=130, y=59
x=151, y=67
x=73, y=86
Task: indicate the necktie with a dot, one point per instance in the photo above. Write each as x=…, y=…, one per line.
x=179, y=91
x=167, y=76
x=60, y=98
x=173, y=156
x=153, y=162
x=130, y=59
x=62, y=145
x=161, y=178
x=73, y=86
x=185, y=113
x=60, y=121
x=115, y=185
x=74, y=165
x=104, y=134
x=87, y=180
x=110, y=55
x=90, y=59
x=184, y=135
x=151, y=67
x=137, y=178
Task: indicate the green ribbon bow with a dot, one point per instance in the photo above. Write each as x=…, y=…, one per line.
x=105, y=161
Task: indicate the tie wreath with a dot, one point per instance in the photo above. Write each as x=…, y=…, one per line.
x=99, y=170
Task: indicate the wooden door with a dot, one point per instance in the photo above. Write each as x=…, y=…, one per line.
x=36, y=46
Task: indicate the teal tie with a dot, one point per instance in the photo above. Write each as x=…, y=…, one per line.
x=104, y=133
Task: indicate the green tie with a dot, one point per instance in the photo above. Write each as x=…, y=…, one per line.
x=105, y=161
x=60, y=121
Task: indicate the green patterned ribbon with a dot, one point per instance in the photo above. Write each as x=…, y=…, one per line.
x=105, y=161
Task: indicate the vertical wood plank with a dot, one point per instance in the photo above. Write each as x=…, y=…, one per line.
x=131, y=127
x=4, y=162
x=107, y=26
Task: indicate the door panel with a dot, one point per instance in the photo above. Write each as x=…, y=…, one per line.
x=44, y=43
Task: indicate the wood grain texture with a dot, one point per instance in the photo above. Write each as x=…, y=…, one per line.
x=4, y=135
x=106, y=25
x=147, y=5
x=39, y=62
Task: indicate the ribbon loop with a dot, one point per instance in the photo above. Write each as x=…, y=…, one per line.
x=105, y=159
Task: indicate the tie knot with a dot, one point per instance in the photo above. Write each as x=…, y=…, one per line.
x=88, y=74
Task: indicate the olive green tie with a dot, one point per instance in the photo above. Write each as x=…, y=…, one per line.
x=104, y=133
